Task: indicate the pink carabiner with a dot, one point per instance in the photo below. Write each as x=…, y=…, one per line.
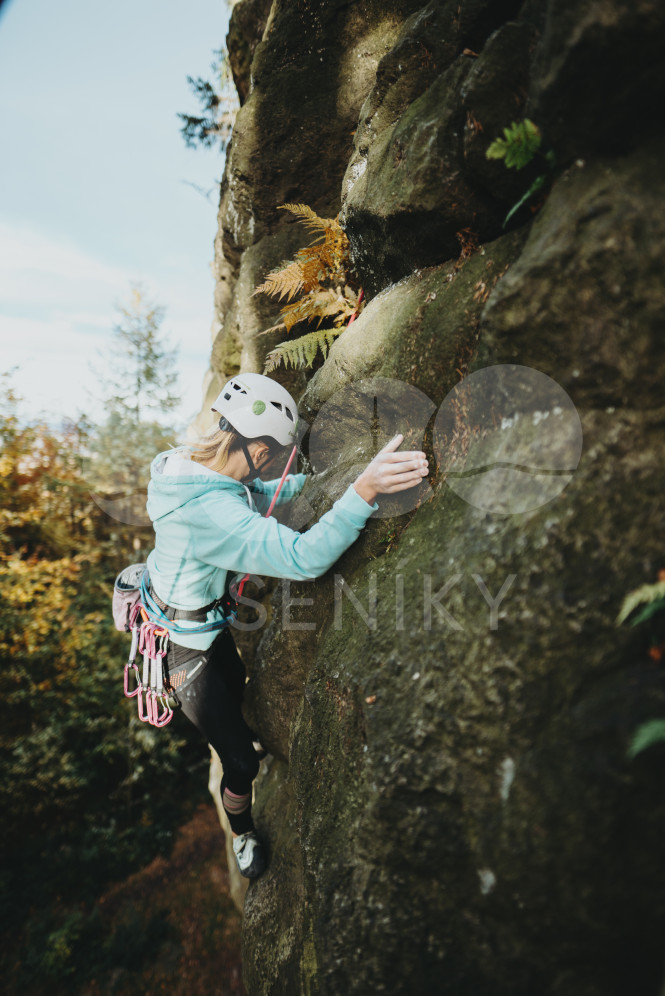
x=136, y=611
x=148, y=712
x=128, y=694
x=166, y=716
x=142, y=717
x=144, y=638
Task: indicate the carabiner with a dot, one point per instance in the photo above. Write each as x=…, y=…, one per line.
x=144, y=718
x=167, y=714
x=150, y=706
x=128, y=694
x=134, y=646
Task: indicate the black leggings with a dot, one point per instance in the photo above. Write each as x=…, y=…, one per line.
x=212, y=701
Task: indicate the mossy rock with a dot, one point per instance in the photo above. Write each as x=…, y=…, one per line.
x=482, y=772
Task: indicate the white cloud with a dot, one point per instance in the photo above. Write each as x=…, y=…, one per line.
x=52, y=358
x=33, y=264
x=57, y=310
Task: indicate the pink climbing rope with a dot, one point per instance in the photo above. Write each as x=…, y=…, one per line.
x=353, y=317
x=272, y=505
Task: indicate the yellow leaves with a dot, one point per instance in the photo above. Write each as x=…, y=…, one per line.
x=284, y=282
x=311, y=268
x=308, y=217
x=17, y=520
x=321, y=273
x=37, y=597
x=317, y=304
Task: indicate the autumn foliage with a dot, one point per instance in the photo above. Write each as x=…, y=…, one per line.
x=87, y=793
x=316, y=286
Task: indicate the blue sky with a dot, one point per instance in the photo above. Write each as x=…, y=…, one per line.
x=96, y=187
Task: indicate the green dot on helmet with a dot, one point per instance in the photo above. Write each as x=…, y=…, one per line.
x=259, y=407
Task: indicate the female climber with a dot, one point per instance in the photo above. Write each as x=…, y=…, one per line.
x=206, y=503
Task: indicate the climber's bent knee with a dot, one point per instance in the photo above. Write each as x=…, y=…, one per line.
x=240, y=769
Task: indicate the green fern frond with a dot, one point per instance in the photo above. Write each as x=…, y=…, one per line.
x=537, y=185
x=518, y=147
x=648, y=611
x=301, y=352
x=643, y=595
x=651, y=732
x=310, y=347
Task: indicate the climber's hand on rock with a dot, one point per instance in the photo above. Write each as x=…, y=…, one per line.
x=390, y=471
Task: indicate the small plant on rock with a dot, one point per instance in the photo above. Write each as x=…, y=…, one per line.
x=316, y=285
x=651, y=598
x=518, y=147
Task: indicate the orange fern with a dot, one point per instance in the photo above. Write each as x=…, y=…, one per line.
x=283, y=282
x=316, y=284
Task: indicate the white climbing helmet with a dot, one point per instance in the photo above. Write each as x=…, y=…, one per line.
x=256, y=405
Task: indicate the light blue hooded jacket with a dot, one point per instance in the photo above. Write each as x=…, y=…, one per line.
x=206, y=528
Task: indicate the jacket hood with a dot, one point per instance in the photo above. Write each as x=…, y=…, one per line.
x=175, y=480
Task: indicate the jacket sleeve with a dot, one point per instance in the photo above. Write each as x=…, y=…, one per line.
x=231, y=536
x=263, y=491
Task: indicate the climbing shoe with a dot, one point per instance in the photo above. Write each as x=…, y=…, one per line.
x=249, y=854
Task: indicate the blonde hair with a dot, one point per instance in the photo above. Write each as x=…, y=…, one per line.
x=217, y=445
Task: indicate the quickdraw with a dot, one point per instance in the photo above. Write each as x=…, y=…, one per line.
x=151, y=642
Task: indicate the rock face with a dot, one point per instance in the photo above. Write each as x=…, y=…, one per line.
x=449, y=808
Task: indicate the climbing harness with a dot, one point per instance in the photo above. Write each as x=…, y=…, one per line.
x=138, y=610
x=165, y=615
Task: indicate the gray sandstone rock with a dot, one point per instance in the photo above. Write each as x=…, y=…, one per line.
x=449, y=808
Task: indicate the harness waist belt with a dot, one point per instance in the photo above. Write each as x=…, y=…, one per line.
x=191, y=615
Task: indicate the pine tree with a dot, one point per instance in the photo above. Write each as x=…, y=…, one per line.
x=219, y=103
x=140, y=380
x=139, y=388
